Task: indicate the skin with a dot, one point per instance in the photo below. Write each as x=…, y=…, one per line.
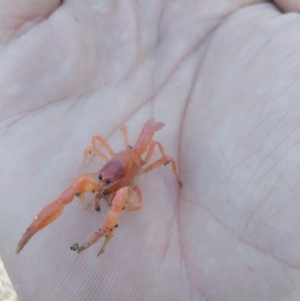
x=229, y=71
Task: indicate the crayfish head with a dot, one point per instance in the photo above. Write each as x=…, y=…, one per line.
x=111, y=176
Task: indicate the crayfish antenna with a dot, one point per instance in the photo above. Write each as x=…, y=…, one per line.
x=53, y=210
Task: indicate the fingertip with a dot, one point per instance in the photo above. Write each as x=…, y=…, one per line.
x=288, y=5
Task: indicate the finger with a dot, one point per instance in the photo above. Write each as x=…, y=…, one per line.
x=288, y=5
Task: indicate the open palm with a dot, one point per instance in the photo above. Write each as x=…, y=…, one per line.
x=224, y=81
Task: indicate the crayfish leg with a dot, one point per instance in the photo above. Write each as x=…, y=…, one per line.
x=107, y=239
x=97, y=202
x=93, y=150
x=104, y=143
x=164, y=160
x=123, y=129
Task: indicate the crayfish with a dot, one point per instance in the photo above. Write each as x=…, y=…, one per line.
x=114, y=182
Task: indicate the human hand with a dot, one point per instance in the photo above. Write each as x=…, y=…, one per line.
x=224, y=80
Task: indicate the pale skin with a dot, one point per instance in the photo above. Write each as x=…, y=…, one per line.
x=224, y=79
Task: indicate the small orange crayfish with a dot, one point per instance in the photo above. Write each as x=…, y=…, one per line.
x=114, y=182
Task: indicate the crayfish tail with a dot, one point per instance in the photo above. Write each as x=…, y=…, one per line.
x=146, y=135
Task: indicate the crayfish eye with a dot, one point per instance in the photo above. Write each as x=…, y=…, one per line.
x=108, y=180
x=100, y=176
